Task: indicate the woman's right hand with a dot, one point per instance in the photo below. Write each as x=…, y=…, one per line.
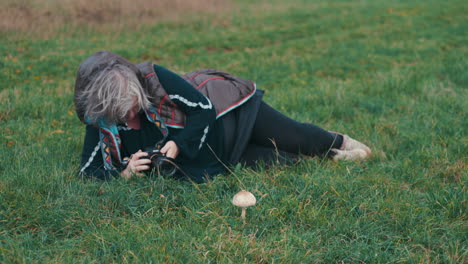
x=136, y=165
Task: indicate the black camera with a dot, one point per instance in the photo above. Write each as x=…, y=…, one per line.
x=160, y=164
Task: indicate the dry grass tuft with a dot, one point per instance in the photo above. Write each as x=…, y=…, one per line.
x=42, y=16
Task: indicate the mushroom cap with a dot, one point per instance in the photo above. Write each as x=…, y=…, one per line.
x=244, y=199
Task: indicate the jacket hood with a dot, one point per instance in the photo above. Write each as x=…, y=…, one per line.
x=91, y=66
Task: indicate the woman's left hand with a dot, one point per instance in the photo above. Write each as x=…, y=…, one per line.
x=170, y=149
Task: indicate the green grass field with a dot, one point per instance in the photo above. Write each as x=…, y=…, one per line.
x=393, y=74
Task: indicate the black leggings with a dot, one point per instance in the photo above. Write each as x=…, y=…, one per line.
x=274, y=133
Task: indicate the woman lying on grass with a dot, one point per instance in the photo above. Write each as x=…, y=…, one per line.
x=203, y=120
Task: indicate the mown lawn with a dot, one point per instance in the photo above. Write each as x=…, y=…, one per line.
x=393, y=74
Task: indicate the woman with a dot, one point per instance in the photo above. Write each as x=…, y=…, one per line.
x=203, y=120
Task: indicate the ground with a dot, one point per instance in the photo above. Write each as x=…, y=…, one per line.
x=392, y=74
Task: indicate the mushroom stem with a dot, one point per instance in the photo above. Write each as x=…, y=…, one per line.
x=243, y=213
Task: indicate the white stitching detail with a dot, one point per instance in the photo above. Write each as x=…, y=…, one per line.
x=191, y=104
x=124, y=128
x=90, y=158
x=204, y=137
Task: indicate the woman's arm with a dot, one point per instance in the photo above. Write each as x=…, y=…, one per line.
x=200, y=113
x=92, y=165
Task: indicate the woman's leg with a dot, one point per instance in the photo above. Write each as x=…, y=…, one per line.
x=275, y=130
x=267, y=155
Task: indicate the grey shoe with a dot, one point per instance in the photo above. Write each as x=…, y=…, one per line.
x=352, y=144
x=354, y=154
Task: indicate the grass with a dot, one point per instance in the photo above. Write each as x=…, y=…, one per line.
x=45, y=17
x=392, y=74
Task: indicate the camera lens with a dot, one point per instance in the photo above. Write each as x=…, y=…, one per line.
x=166, y=167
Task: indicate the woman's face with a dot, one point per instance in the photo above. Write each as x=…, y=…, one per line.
x=134, y=110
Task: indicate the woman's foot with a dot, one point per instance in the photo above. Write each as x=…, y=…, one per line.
x=355, y=154
x=352, y=144
x=351, y=149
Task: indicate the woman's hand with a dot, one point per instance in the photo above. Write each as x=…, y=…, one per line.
x=136, y=165
x=170, y=149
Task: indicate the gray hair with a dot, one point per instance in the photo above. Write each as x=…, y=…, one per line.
x=111, y=94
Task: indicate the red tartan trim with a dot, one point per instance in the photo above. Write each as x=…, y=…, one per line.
x=237, y=103
x=150, y=74
x=161, y=104
x=174, y=124
x=193, y=77
x=205, y=81
x=173, y=114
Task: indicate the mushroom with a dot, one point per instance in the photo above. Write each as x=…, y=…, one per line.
x=244, y=199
